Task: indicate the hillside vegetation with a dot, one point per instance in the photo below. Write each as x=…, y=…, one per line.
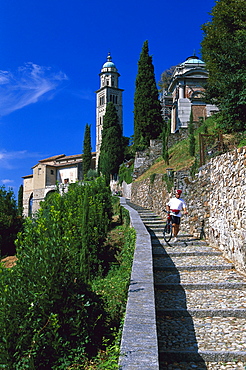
x=179, y=156
x=63, y=300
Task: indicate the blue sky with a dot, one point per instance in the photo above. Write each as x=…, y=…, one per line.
x=51, y=53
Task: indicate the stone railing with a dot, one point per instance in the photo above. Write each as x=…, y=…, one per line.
x=139, y=347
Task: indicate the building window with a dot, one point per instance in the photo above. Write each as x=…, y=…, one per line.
x=101, y=100
x=52, y=172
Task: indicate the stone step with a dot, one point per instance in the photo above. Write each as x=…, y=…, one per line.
x=199, y=286
x=186, y=238
x=153, y=220
x=206, y=299
x=193, y=260
x=160, y=249
x=214, y=338
x=221, y=365
x=185, y=253
x=225, y=357
x=213, y=276
x=201, y=313
x=194, y=268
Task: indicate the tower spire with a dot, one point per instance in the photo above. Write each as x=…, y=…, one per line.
x=109, y=58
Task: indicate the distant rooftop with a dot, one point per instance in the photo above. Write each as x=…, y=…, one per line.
x=192, y=60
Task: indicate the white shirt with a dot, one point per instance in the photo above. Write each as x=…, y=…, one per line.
x=178, y=204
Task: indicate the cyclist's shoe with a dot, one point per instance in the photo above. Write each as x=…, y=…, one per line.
x=175, y=240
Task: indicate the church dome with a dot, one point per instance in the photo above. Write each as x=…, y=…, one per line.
x=109, y=63
x=192, y=60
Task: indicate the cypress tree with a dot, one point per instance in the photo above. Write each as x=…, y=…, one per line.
x=148, y=122
x=192, y=141
x=111, y=150
x=20, y=200
x=165, y=134
x=87, y=150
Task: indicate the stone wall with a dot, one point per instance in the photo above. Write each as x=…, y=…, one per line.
x=144, y=159
x=148, y=194
x=227, y=226
x=216, y=200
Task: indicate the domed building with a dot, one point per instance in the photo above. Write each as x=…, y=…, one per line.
x=108, y=92
x=186, y=94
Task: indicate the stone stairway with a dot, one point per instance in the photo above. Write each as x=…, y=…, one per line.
x=200, y=303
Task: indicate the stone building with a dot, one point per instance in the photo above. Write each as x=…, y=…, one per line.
x=186, y=93
x=59, y=170
x=108, y=92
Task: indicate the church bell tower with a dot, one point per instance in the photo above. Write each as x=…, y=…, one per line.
x=108, y=92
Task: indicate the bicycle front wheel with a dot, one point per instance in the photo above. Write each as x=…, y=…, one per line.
x=167, y=232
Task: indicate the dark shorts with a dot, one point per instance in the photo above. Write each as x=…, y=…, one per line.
x=176, y=220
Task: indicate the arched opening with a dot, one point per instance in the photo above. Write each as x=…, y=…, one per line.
x=49, y=194
x=30, y=204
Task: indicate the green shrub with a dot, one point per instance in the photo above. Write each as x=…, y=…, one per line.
x=152, y=178
x=63, y=302
x=48, y=314
x=169, y=182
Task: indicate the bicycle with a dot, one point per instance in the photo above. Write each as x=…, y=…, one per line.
x=168, y=228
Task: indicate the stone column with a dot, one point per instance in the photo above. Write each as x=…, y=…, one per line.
x=181, y=90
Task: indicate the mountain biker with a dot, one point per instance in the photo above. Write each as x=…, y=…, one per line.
x=175, y=206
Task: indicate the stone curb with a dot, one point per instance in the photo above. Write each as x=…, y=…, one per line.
x=139, y=346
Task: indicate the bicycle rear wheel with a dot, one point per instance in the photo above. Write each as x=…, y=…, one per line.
x=167, y=232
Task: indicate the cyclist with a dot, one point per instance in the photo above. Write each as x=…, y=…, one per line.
x=175, y=206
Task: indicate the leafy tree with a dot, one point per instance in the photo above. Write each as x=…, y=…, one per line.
x=87, y=150
x=192, y=141
x=111, y=150
x=166, y=78
x=148, y=120
x=224, y=51
x=10, y=222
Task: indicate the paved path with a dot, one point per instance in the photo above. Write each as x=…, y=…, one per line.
x=200, y=304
